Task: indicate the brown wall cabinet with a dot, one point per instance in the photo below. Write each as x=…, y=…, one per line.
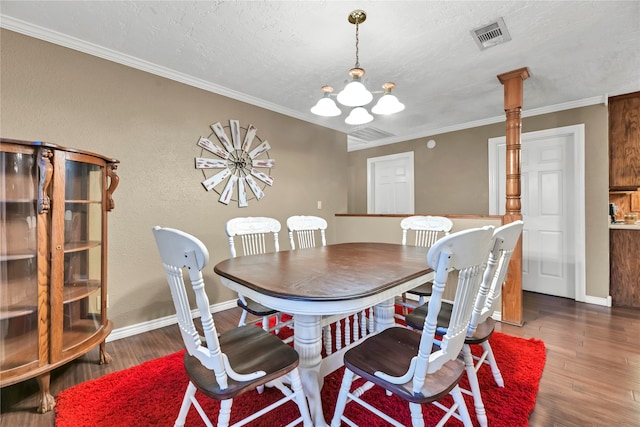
x=53, y=265
x=624, y=142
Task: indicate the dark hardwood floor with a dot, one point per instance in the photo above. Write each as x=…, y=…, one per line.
x=591, y=378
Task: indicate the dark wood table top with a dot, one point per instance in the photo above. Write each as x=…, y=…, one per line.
x=330, y=273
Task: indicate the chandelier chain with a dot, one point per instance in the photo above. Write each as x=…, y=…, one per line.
x=357, y=44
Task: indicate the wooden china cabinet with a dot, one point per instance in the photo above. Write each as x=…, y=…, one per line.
x=53, y=258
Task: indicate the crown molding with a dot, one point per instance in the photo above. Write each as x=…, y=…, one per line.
x=354, y=144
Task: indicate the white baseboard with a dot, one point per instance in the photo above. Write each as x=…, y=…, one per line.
x=140, y=328
x=150, y=325
x=497, y=315
x=598, y=300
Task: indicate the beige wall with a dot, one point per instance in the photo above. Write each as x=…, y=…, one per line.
x=457, y=168
x=387, y=228
x=151, y=124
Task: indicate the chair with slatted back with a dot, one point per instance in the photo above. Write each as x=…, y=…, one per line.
x=257, y=235
x=426, y=231
x=305, y=229
x=415, y=366
x=481, y=325
x=223, y=367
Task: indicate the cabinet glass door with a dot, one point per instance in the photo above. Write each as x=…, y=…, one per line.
x=18, y=259
x=82, y=296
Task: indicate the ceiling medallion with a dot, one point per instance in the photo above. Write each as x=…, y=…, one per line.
x=237, y=166
x=355, y=94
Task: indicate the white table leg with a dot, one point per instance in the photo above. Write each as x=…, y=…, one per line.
x=383, y=313
x=307, y=340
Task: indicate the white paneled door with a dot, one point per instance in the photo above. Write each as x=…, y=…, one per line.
x=547, y=208
x=552, y=248
x=390, y=184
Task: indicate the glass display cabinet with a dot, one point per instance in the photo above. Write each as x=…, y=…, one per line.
x=53, y=259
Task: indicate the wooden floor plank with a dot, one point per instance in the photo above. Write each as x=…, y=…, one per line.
x=591, y=377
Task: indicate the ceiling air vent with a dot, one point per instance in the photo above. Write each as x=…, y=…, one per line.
x=368, y=134
x=491, y=34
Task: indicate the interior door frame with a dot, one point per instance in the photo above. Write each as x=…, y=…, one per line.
x=371, y=164
x=579, y=230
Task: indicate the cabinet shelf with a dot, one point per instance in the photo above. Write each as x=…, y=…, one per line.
x=17, y=200
x=83, y=202
x=19, y=350
x=82, y=330
x=18, y=296
x=80, y=246
x=80, y=289
x=16, y=311
x=18, y=256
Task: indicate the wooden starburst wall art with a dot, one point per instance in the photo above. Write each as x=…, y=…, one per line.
x=236, y=165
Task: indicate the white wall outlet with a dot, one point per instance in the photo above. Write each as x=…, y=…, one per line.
x=319, y=204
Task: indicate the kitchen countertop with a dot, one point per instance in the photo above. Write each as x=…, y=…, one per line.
x=623, y=226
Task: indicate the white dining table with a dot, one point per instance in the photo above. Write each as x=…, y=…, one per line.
x=319, y=283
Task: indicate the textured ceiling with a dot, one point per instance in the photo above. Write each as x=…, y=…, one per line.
x=277, y=55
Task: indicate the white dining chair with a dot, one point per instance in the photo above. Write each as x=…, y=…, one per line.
x=481, y=325
x=227, y=365
x=418, y=367
x=422, y=231
x=256, y=235
x=306, y=229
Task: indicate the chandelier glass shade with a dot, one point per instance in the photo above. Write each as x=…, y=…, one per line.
x=326, y=106
x=355, y=94
x=388, y=104
x=358, y=116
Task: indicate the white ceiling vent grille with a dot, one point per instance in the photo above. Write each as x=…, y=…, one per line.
x=368, y=134
x=491, y=35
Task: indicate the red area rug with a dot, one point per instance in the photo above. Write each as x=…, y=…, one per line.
x=150, y=395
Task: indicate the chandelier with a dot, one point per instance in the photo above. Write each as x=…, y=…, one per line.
x=355, y=94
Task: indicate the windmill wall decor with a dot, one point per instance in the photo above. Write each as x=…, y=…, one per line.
x=236, y=165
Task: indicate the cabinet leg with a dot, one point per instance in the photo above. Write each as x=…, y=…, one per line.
x=47, y=401
x=104, y=356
